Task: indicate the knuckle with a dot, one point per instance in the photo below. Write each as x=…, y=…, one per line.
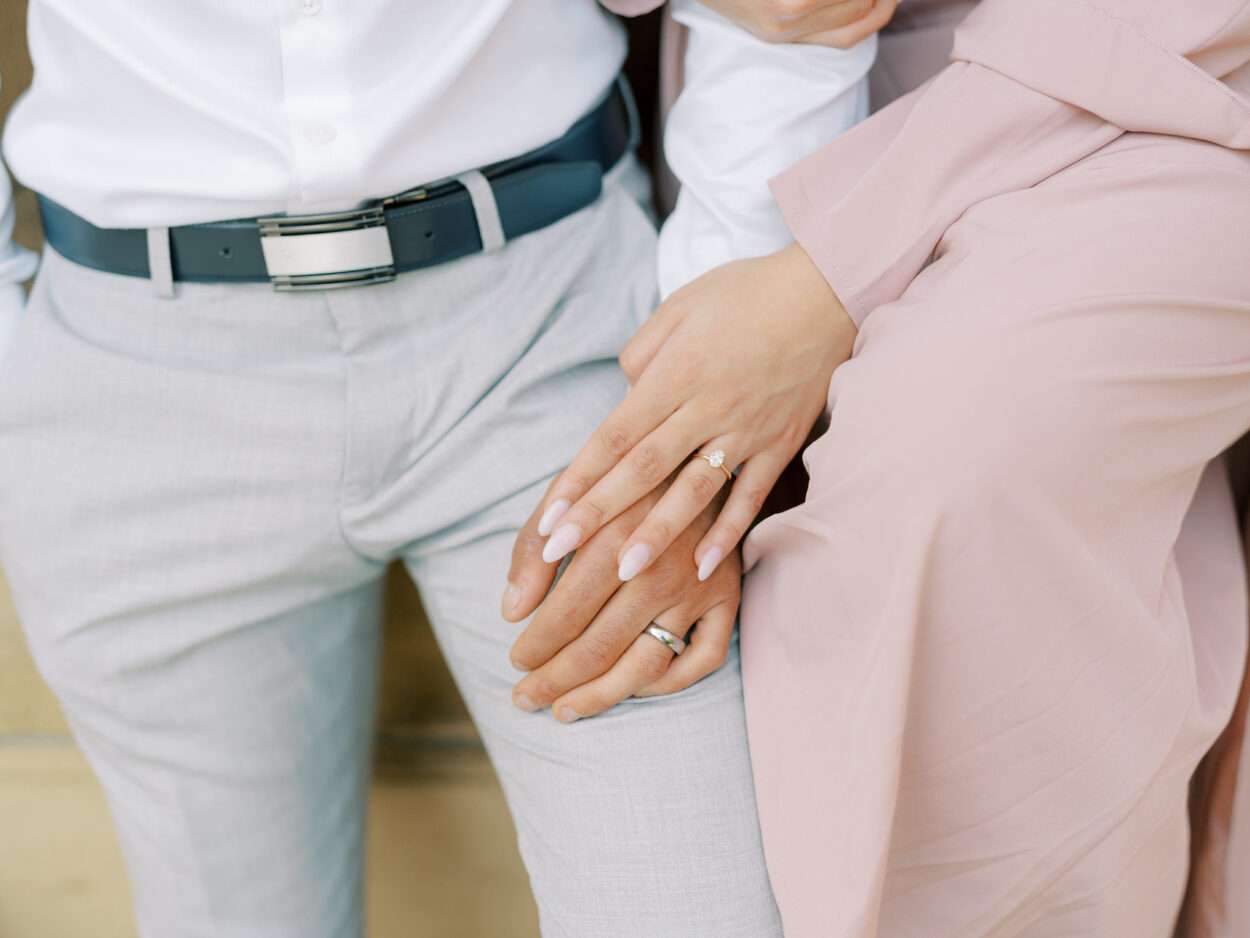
x=660, y=531
x=647, y=463
x=596, y=650
x=528, y=544
x=654, y=667
x=577, y=593
x=591, y=512
x=574, y=483
x=592, y=703
x=542, y=689
x=670, y=580
x=754, y=499
x=704, y=487
x=614, y=440
x=733, y=533
x=631, y=363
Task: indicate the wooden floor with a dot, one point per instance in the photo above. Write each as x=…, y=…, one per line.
x=442, y=861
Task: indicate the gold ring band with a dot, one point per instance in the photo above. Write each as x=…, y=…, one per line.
x=716, y=459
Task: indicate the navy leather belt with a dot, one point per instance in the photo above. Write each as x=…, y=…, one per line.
x=417, y=228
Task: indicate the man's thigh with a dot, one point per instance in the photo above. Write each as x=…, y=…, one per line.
x=641, y=821
x=169, y=529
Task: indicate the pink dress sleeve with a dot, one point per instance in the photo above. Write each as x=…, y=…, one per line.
x=1009, y=111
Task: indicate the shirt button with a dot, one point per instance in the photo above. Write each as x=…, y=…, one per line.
x=310, y=7
x=319, y=133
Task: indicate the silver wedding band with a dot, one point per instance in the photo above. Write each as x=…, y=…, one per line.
x=666, y=638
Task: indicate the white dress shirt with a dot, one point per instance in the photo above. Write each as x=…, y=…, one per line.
x=146, y=113
x=747, y=111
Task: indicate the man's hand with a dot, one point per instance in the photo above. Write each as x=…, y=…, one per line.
x=587, y=647
x=837, y=23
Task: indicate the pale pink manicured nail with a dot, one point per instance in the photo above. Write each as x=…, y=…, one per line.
x=566, y=714
x=711, y=560
x=511, y=596
x=560, y=543
x=524, y=703
x=634, y=560
x=553, y=514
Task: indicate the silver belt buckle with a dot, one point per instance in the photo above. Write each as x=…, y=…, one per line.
x=327, y=251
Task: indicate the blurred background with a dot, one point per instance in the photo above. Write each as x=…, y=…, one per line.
x=442, y=857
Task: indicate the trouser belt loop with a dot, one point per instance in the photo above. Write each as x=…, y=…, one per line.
x=160, y=262
x=489, y=225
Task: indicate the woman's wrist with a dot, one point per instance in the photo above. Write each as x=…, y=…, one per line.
x=811, y=291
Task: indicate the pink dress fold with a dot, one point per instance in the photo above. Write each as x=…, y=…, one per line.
x=995, y=663
x=987, y=656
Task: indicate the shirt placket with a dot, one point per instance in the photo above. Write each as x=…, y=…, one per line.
x=316, y=102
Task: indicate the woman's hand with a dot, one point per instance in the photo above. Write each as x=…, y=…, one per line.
x=837, y=23
x=586, y=648
x=738, y=361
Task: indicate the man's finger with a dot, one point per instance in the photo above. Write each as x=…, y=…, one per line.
x=644, y=663
x=706, y=652
x=592, y=653
x=528, y=577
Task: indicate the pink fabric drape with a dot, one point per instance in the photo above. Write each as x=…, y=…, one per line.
x=1034, y=87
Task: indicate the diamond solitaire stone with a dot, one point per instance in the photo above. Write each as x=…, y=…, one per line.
x=716, y=458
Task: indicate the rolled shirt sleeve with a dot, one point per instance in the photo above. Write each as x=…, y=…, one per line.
x=746, y=110
x=1035, y=86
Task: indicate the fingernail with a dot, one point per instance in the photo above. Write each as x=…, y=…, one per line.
x=511, y=596
x=566, y=714
x=553, y=514
x=711, y=560
x=634, y=560
x=524, y=703
x=560, y=543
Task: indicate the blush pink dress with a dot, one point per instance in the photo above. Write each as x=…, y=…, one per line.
x=994, y=662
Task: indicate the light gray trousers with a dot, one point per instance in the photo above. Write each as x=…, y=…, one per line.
x=198, y=496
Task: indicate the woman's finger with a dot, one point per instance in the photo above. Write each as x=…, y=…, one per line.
x=707, y=650
x=639, y=471
x=647, y=406
x=692, y=491
x=844, y=37
x=792, y=20
x=746, y=498
x=642, y=346
x=529, y=577
x=643, y=664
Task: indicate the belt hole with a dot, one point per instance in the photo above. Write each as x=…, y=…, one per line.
x=429, y=234
x=225, y=252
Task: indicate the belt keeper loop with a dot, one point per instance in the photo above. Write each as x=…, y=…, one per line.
x=160, y=263
x=489, y=226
